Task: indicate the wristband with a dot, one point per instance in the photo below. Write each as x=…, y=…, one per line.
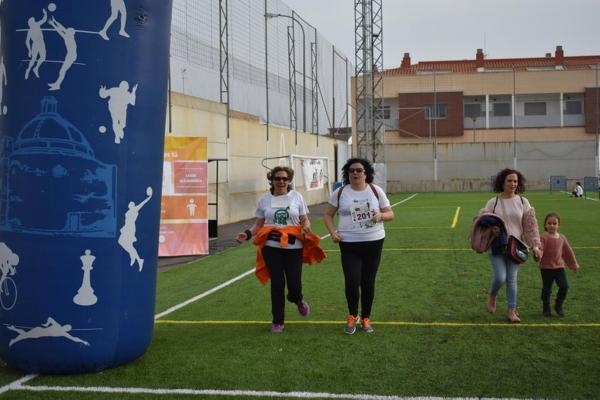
x=248, y=233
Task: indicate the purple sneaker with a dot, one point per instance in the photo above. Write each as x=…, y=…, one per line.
x=277, y=328
x=303, y=308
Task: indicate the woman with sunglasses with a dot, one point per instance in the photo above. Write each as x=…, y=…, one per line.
x=362, y=208
x=281, y=224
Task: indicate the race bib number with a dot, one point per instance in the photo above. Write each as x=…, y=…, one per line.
x=361, y=215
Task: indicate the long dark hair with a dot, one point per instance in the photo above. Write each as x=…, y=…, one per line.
x=501, y=177
x=271, y=174
x=369, y=171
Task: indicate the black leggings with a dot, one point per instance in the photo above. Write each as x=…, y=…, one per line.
x=548, y=277
x=283, y=264
x=360, y=261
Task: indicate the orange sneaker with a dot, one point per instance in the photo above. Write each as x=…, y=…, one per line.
x=366, y=325
x=351, y=324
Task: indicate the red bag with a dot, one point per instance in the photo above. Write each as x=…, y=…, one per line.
x=516, y=250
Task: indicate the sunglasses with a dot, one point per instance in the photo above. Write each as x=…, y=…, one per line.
x=357, y=170
x=281, y=178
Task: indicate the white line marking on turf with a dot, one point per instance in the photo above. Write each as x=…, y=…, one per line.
x=248, y=393
x=16, y=384
x=586, y=197
x=455, y=219
x=201, y=295
x=229, y=282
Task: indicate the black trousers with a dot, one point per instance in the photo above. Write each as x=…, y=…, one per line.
x=283, y=265
x=549, y=276
x=360, y=261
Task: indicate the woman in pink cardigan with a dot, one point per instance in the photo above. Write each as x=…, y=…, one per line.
x=520, y=221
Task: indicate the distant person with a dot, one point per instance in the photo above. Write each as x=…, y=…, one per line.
x=282, y=231
x=362, y=208
x=520, y=221
x=577, y=190
x=556, y=254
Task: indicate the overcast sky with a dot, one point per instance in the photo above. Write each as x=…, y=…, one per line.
x=454, y=29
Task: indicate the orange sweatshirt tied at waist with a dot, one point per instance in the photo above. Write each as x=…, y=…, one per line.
x=311, y=251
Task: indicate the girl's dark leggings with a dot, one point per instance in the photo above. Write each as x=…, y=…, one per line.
x=283, y=264
x=548, y=277
x=360, y=261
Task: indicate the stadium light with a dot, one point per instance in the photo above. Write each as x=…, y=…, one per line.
x=269, y=15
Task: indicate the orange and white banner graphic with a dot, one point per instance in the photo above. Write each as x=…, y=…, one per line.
x=184, y=202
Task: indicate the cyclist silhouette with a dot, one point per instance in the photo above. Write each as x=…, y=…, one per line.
x=8, y=288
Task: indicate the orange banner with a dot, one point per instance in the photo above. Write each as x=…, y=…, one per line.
x=184, y=202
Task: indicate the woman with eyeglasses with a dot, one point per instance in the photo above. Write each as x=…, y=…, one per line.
x=282, y=234
x=362, y=208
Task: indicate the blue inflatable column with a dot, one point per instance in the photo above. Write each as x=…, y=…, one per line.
x=83, y=88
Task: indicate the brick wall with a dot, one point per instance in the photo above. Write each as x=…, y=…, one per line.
x=590, y=109
x=413, y=122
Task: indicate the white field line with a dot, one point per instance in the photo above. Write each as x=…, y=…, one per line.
x=244, y=393
x=455, y=219
x=586, y=197
x=16, y=384
x=237, y=278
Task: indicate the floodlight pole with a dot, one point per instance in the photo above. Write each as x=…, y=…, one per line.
x=597, y=161
x=514, y=113
x=273, y=15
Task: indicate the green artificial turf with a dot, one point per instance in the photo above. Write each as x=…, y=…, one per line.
x=432, y=335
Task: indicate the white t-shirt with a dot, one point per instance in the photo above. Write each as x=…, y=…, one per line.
x=579, y=190
x=283, y=210
x=511, y=211
x=355, y=213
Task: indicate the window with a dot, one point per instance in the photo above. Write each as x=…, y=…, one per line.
x=573, y=107
x=442, y=111
x=386, y=112
x=537, y=108
x=473, y=110
x=502, y=109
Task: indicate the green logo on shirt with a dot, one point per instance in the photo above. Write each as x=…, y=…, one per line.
x=280, y=216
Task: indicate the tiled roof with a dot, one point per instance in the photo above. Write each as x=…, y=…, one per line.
x=520, y=64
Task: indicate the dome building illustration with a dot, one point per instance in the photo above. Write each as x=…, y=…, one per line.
x=50, y=162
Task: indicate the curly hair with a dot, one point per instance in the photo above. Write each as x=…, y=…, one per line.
x=271, y=174
x=369, y=171
x=501, y=177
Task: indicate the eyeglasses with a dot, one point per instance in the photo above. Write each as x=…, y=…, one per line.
x=281, y=178
x=357, y=170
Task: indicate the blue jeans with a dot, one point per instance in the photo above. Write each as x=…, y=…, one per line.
x=505, y=270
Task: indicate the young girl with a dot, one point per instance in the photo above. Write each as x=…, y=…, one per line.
x=556, y=253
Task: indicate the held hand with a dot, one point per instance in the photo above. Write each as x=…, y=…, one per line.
x=537, y=253
x=306, y=229
x=336, y=237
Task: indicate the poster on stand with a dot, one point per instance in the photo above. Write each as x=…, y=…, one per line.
x=184, y=202
x=313, y=173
